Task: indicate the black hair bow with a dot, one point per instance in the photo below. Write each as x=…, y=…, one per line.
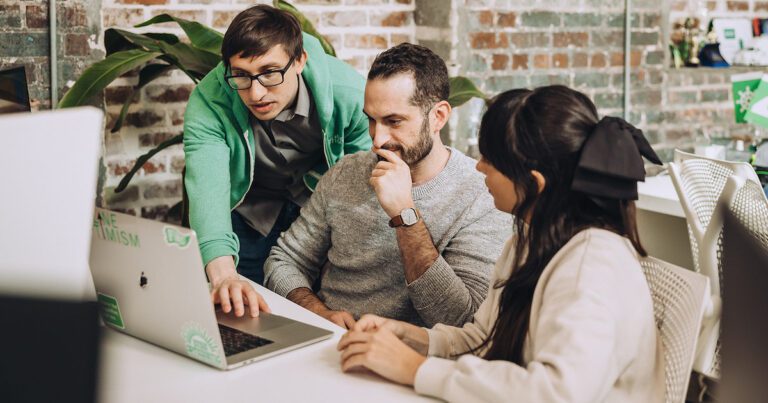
x=611, y=160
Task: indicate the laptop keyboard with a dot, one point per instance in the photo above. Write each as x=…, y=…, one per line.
x=236, y=341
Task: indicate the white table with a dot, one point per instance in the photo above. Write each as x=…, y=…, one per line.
x=135, y=371
x=661, y=221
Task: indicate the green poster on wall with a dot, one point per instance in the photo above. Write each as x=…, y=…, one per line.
x=744, y=87
x=758, y=107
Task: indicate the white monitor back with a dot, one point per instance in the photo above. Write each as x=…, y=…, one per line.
x=48, y=173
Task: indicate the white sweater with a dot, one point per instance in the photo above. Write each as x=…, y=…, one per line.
x=592, y=335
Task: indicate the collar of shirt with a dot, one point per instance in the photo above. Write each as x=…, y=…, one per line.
x=300, y=107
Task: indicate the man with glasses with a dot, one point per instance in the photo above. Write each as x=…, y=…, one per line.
x=259, y=131
x=407, y=231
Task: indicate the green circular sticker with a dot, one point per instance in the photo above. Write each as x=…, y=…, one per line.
x=200, y=345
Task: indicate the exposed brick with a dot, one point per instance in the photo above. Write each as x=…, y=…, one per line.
x=10, y=16
x=391, y=19
x=194, y=15
x=367, y=41
x=163, y=190
x=488, y=40
x=530, y=39
x=646, y=97
x=23, y=44
x=71, y=16
x=76, y=45
x=154, y=139
x=483, y=18
x=177, y=164
x=591, y=80
x=682, y=97
x=540, y=19
x=761, y=7
x=143, y=119
x=500, y=62
x=122, y=17
x=541, y=61
x=222, y=19
x=580, y=60
x=602, y=39
x=519, y=62
x=610, y=100
x=120, y=168
x=560, y=60
x=564, y=39
x=118, y=95
x=397, y=39
x=344, y=19
x=153, y=166
x=715, y=95
x=644, y=38
x=598, y=60
x=143, y=2
x=129, y=194
x=155, y=212
x=738, y=5
x=507, y=20
x=588, y=19
x=37, y=16
x=166, y=94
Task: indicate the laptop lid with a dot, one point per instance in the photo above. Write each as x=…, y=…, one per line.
x=745, y=301
x=48, y=172
x=14, y=92
x=150, y=283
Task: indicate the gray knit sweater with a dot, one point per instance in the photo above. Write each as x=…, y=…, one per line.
x=344, y=222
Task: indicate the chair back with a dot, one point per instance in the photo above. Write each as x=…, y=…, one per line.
x=679, y=300
x=706, y=186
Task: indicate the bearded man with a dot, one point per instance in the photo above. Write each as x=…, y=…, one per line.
x=407, y=230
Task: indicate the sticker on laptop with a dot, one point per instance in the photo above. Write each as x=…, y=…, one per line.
x=105, y=227
x=110, y=310
x=175, y=237
x=200, y=345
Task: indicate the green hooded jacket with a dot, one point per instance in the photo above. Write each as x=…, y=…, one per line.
x=218, y=142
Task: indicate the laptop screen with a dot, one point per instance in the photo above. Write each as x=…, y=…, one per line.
x=14, y=94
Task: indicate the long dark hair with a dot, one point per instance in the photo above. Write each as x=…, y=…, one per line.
x=542, y=130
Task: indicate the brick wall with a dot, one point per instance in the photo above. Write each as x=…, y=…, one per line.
x=24, y=40
x=358, y=30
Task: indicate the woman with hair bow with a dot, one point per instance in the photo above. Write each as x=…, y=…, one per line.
x=568, y=316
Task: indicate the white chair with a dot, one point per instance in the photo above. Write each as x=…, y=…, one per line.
x=679, y=299
x=705, y=187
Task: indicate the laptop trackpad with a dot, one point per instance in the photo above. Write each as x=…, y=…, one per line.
x=263, y=323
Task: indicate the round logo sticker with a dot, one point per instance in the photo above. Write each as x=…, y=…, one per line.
x=200, y=345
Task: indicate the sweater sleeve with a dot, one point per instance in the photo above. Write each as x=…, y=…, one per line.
x=296, y=260
x=573, y=347
x=452, y=289
x=207, y=180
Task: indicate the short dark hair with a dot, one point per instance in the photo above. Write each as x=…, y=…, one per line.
x=258, y=29
x=428, y=70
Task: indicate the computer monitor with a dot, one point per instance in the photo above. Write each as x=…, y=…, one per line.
x=744, y=339
x=14, y=94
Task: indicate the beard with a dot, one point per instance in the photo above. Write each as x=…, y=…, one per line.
x=412, y=155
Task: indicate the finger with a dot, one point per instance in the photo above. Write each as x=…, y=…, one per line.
x=367, y=322
x=339, y=320
x=262, y=303
x=236, y=295
x=388, y=155
x=349, y=321
x=251, y=299
x=215, y=296
x=353, y=337
x=224, y=299
x=355, y=348
x=352, y=362
x=378, y=172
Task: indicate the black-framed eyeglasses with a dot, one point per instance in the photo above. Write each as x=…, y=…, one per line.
x=271, y=78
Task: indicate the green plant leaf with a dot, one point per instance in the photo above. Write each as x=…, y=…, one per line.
x=199, y=35
x=462, y=90
x=146, y=75
x=100, y=74
x=194, y=62
x=306, y=25
x=144, y=158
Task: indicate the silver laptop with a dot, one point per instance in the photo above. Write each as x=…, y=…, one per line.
x=150, y=284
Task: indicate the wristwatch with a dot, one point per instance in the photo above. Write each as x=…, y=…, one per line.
x=406, y=218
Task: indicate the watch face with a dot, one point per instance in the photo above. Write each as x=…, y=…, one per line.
x=409, y=216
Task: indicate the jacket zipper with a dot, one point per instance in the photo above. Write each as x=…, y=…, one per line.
x=250, y=180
